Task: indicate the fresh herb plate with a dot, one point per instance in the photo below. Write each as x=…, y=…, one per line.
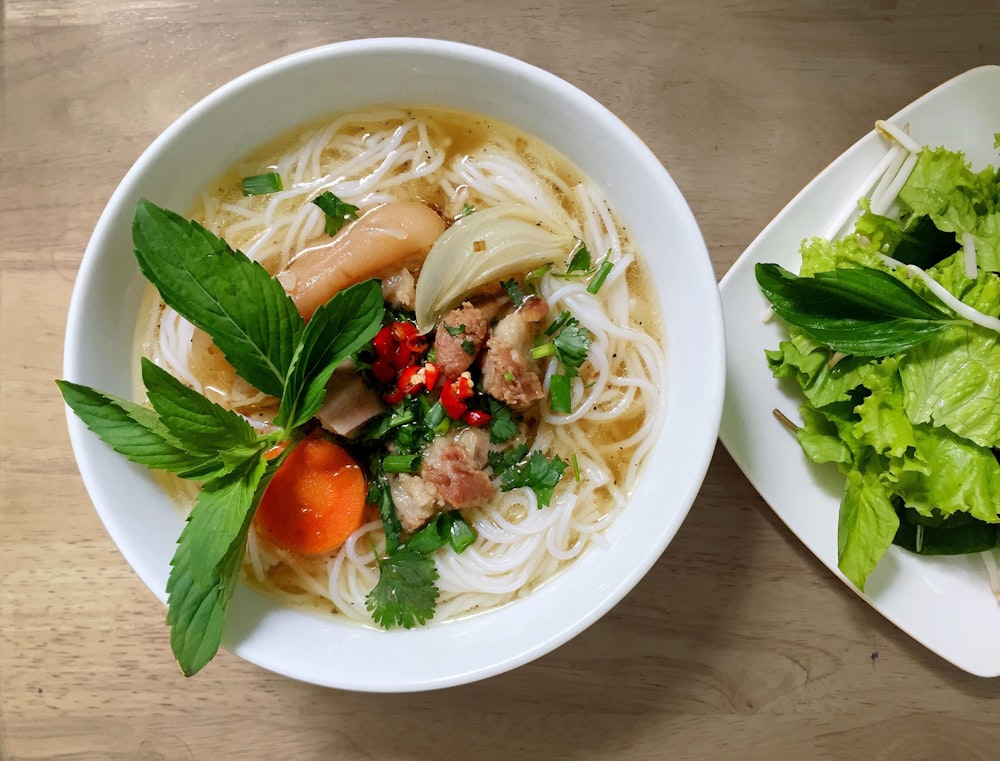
x=945, y=603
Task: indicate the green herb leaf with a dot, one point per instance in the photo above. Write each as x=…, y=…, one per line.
x=406, y=593
x=218, y=516
x=338, y=213
x=539, y=473
x=856, y=310
x=198, y=592
x=514, y=292
x=337, y=329
x=448, y=528
x=202, y=425
x=580, y=262
x=233, y=299
x=261, y=184
x=505, y=460
x=130, y=429
x=503, y=427
x=572, y=344
x=380, y=494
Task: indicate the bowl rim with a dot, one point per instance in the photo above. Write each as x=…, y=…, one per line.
x=258, y=623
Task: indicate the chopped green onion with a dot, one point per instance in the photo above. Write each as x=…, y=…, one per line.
x=461, y=534
x=602, y=273
x=508, y=376
x=576, y=468
x=467, y=209
x=261, y=184
x=437, y=420
x=557, y=323
x=546, y=349
x=401, y=463
x=560, y=396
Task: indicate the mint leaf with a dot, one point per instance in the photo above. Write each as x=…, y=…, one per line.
x=218, y=515
x=406, y=593
x=336, y=330
x=202, y=425
x=130, y=429
x=199, y=588
x=232, y=298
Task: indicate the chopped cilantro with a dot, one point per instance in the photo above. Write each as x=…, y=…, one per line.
x=572, y=344
x=507, y=459
x=338, y=213
x=469, y=346
x=514, y=291
x=539, y=473
x=454, y=330
x=581, y=259
x=503, y=427
x=406, y=593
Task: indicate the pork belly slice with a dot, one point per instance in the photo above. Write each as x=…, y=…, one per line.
x=509, y=372
x=349, y=403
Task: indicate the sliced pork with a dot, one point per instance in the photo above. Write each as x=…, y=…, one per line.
x=509, y=372
x=454, y=463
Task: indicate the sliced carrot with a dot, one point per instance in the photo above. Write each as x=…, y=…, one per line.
x=315, y=500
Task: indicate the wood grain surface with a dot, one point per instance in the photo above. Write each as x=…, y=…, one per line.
x=737, y=645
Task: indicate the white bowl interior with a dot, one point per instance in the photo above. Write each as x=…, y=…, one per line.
x=240, y=116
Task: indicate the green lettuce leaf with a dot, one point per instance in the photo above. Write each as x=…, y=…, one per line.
x=953, y=380
x=948, y=474
x=944, y=188
x=866, y=525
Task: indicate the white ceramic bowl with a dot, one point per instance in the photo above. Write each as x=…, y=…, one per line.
x=276, y=97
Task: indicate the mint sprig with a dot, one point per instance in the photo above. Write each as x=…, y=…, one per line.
x=256, y=325
x=229, y=296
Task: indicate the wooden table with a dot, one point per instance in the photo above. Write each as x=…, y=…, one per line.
x=738, y=644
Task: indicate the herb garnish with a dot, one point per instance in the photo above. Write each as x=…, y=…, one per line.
x=255, y=324
x=261, y=184
x=855, y=310
x=338, y=213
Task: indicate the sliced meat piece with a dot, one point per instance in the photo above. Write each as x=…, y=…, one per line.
x=348, y=403
x=454, y=463
x=458, y=338
x=416, y=499
x=509, y=372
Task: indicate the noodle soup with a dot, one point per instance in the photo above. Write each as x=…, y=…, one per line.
x=457, y=166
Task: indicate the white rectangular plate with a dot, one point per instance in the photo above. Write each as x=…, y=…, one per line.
x=943, y=602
